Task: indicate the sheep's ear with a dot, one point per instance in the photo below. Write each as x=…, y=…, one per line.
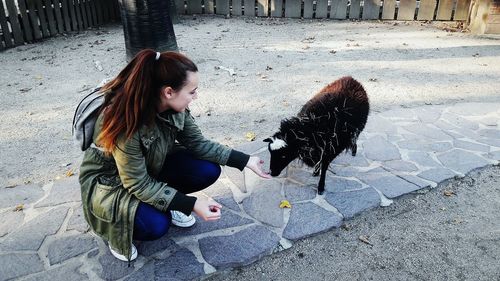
x=269, y=140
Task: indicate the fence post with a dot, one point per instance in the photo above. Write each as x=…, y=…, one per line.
x=147, y=25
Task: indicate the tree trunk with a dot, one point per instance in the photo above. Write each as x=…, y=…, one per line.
x=147, y=25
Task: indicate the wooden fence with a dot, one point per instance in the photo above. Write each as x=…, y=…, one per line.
x=24, y=21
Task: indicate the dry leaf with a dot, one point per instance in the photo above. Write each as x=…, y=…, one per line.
x=19, y=207
x=69, y=173
x=285, y=204
x=448, y=193
x=250, y=136
x=364, y=239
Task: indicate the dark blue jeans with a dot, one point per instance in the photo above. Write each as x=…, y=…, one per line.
x=186, y=174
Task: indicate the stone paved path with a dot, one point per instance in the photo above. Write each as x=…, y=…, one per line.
x=401, y=151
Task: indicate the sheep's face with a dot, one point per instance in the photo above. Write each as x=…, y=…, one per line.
x=281, y=155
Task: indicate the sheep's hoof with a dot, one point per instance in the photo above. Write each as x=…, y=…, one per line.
x=320, y=192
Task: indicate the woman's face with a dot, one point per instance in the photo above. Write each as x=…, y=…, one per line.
x=180, y=100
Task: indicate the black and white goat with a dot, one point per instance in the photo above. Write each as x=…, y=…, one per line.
x=327, y=124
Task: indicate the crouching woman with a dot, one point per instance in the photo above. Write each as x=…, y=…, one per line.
x=148, y=155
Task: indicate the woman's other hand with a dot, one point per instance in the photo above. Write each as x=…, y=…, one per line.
x=255, y=164
x=207, y=209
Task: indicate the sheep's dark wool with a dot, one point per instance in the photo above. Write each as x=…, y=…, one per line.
x=327, y=124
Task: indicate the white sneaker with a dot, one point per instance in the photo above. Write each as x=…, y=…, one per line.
x=122, y=257
x=181, y=220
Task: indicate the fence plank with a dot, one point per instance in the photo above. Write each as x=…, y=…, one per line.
x=249, y=8
x=389, y=9
x=59, y=20
x=426, y=10
x=444, y=10
x=5, y=28
x=308, y=9
x=14, y=22
x=81, y=6
x=277, y=8
x=237, y=8
x=179, y=5
x=34, y=20
x=88, y=11
x=79, y=17
x=73, y=16
x=371, y=9
x=355, y=9
x=321, y=9
x=222, y=7
x=194, y=7
x=49, y=11
x=98, y=11
x=263, y=8
x=26, y=28
x=65, y=15
x=462, y=10
x=43, y=19
x=94, y=12
x=105, y=10
x=406, y=9
x=209, y=7
x=338, y=9
x=292, y=8
x=116, y=9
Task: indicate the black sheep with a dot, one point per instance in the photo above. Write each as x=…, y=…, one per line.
x=327, y=124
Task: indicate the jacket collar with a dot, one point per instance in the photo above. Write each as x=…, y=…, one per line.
x=172, y=118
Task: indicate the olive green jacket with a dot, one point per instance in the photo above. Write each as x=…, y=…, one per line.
x=113, y=185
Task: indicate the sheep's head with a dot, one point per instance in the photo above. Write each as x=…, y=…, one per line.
x=281, y=154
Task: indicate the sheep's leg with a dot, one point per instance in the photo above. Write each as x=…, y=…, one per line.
x=321, y=184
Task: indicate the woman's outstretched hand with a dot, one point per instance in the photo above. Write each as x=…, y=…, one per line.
x=255, y=164
x=207, y=209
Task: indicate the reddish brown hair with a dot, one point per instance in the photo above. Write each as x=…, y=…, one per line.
x=133, y=96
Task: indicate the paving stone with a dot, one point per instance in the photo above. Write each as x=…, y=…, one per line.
x=34, y=231
x=424, y=145
x=343, y=172
x=400, y=165
x=347, y=159
x=165, y=245
x=426, y=131
x=470, y=146
x=445, y=125
x=390, y=185
x=295, y=192
x=494, y=155
x=351, y=203
x=378, y=124
x=307, y=219
x=251, y=147
x=63, y=191
x=240, y=248
x=437, y=175
x=462, y=161
x=474, y=109
x=423, y=159
x=77, y=221
x=19, y=264
x=222, y=194
x=492, y=121
x=379, y=149
x=9, y=221
x=71, y=246
x=459, y=121
x=263, y=204
x=399, y=114
x=492, y=142
x=236, y=176
x=228, y=219
x=67, y=271
x=302, y=176
x=113, y=268
x=266, y=157
x=22, y=194
x=415, y=180
x=490, y=133
x=428, y=115
x=337, y=184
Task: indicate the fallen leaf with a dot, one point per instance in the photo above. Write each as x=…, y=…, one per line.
x=69, y=173
x=373, y=79
x=19, y=207
x=285, y=204
x=448, y=193
x=364, y=239
x=250, y=136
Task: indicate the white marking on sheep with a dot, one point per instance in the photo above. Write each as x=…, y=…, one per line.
x=277, y=144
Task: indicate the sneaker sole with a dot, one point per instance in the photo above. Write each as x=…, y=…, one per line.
x=184, y=224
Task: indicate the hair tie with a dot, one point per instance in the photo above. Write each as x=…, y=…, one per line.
x=157, y=56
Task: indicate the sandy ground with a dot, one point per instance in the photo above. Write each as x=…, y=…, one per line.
x=277, y=63
x=420, y=237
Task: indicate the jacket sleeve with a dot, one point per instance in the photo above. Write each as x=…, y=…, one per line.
x=132, y=170
x=191, y=138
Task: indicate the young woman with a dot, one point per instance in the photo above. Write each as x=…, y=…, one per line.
x=148, y=155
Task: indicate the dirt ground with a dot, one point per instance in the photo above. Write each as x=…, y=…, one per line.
x=254, y=72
